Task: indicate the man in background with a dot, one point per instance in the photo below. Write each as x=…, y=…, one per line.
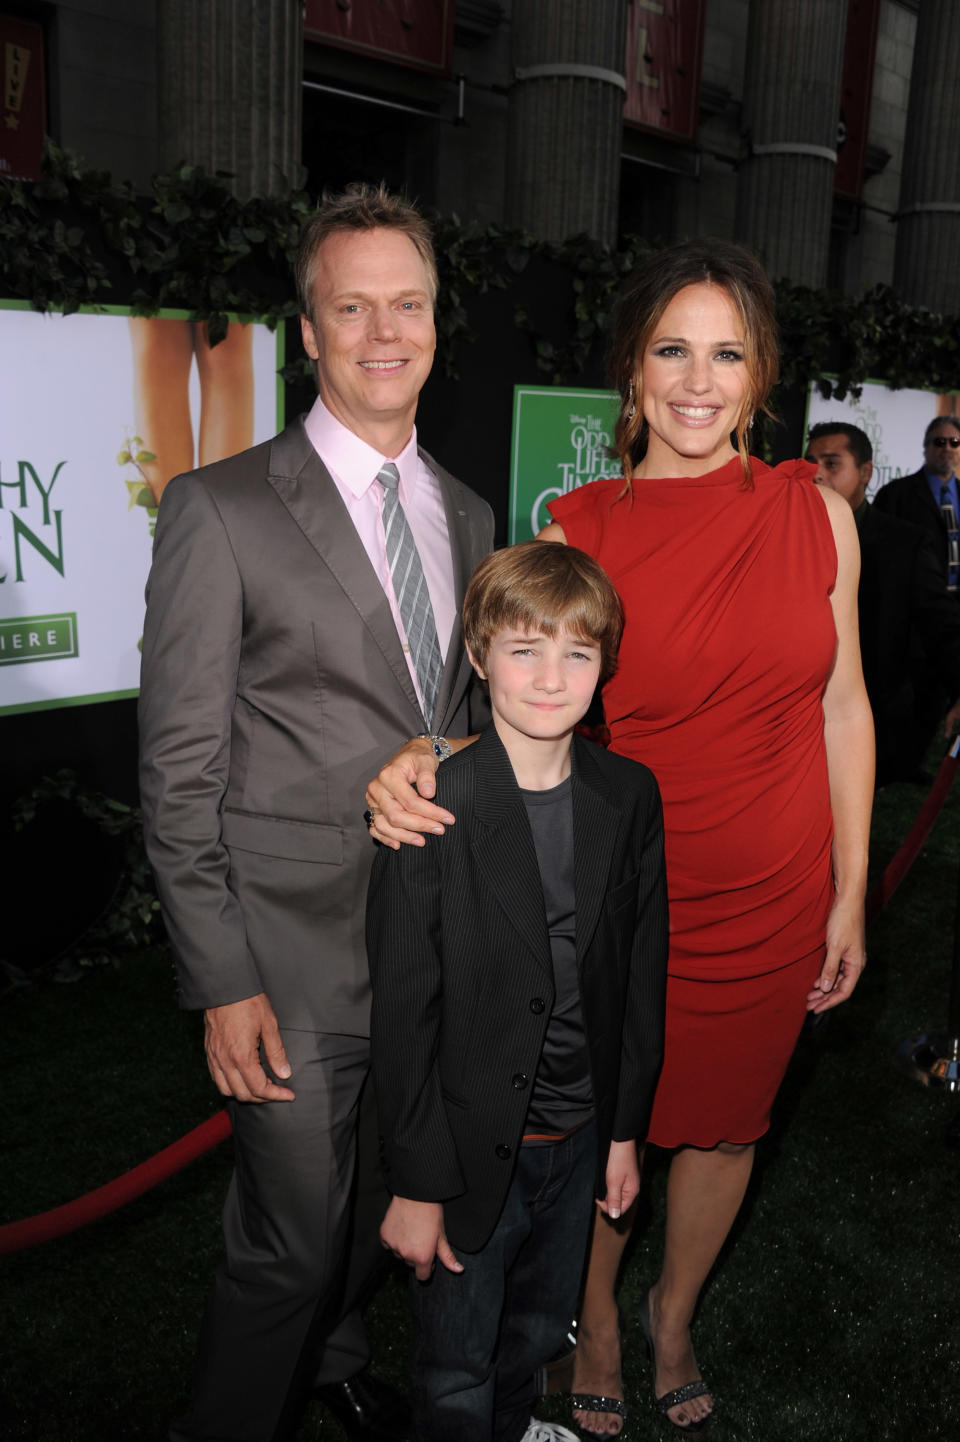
x=929, y=498
x=909, y=625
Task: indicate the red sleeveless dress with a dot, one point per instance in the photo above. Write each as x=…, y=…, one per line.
x=728, y=642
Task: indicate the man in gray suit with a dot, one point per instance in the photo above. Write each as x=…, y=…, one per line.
x=302, y=621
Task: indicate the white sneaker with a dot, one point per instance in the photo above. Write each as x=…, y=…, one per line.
x=548, y=1432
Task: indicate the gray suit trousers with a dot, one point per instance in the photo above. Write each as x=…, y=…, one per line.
x=301, y=1221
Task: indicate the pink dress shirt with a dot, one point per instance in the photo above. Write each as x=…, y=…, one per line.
x=354, y=467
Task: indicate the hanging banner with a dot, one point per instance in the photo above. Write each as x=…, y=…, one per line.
x=860, y=48
x=416, y=33
x=97, y=413
x=664, y=55
x=894, y=421
x=24, y=119
x=561, y=440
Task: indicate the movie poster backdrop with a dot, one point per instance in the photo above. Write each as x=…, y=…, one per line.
x=97, y=412
x=561, y=439
x=894, y=420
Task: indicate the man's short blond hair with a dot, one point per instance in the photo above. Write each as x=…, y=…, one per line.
x=360, y=207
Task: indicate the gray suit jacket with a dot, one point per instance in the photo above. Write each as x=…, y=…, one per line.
x=273, y=687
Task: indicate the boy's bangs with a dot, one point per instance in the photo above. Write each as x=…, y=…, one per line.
x=583, y=620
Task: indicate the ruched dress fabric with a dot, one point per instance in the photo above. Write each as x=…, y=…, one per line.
x=728, y=642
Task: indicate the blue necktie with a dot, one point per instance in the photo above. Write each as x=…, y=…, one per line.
x=949, y=515
x=410, y=589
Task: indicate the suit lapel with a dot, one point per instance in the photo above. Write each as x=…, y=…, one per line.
x=305, y=487
x=595, y=831
x=502, y=846
x=927, y=502
x=459, y=532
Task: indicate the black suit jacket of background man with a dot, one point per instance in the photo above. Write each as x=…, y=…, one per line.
x=909, y=635
x=463, y=980
x=909, y=498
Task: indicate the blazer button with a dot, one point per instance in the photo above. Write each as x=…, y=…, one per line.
x=538, y=1005
x=502, y=1151
x=520, y=1081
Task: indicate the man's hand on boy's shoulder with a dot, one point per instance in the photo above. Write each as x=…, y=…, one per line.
x=623, y=1179
x=399, y=798
x=413, y=1231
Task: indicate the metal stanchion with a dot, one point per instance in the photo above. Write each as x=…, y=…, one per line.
x=935, y=1059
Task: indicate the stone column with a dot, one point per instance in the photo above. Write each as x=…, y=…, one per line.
x=926, y=269
x=791, y=110
x=566, y=117
x=230, y=74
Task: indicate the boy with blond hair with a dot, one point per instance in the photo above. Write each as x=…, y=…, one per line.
x=518, y=968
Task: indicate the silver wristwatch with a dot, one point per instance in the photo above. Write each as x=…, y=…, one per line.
x=440, y=744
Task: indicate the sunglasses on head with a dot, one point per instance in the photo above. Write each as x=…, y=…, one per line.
x=941, y=441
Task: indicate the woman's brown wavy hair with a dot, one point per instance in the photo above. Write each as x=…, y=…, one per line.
x=649, y=291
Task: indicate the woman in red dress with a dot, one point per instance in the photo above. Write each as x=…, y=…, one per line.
x=739, y=685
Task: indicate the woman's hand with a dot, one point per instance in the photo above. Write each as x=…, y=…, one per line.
x=845, y=958
x=399, y=796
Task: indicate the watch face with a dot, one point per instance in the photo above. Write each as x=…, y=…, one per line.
x=440, y=744
x=442, y=747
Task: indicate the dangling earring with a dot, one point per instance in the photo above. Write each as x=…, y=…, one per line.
x=631, y=402
x=750, y=424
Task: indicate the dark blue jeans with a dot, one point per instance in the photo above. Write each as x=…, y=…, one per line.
x=480, y=1335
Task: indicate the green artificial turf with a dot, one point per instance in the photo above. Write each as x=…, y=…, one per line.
x=831, y=1315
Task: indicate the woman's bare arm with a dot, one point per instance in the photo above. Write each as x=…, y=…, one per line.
x=849, y=739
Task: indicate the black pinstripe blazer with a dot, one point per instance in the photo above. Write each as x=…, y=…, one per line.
x=463, y=980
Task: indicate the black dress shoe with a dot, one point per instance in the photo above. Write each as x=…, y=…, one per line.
x=369, y=1409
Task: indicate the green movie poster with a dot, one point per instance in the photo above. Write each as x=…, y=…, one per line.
x=561, y=439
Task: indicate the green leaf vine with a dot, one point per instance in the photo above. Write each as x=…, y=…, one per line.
x=78, y=237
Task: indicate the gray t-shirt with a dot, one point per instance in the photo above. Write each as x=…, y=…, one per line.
x=562, y=1097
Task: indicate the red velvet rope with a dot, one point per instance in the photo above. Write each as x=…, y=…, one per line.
x=17, y=1236
x=916, y=836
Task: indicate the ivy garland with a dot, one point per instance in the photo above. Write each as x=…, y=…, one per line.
x=76, y=237
x=869, y=337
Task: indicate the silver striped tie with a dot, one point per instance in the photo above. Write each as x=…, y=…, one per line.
x=410, y=589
